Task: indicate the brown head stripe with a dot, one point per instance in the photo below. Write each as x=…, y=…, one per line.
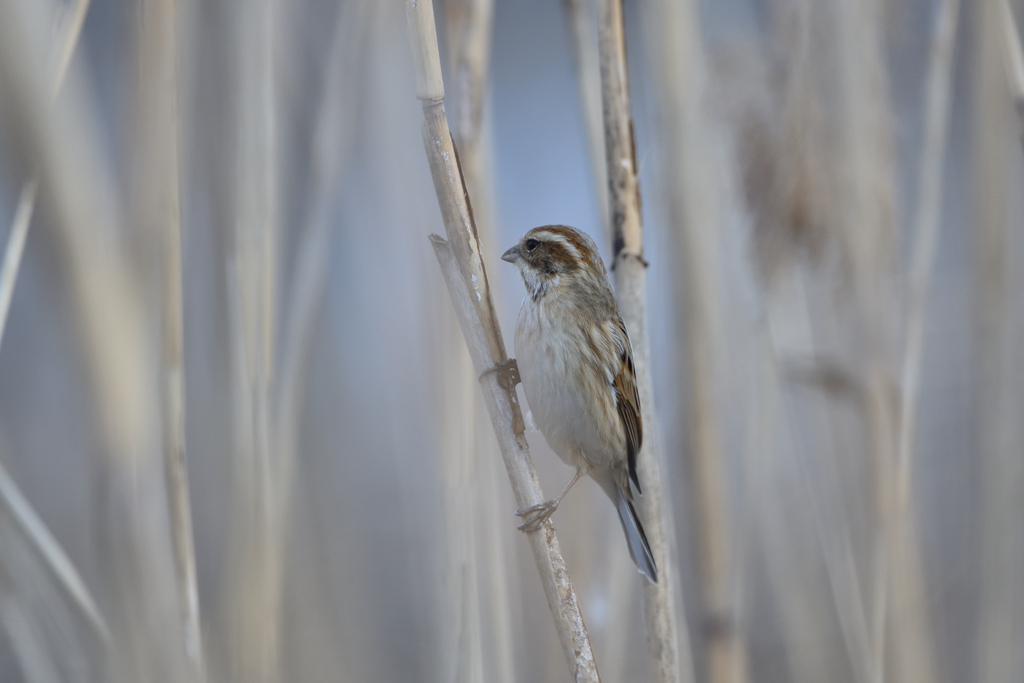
x=573, y=238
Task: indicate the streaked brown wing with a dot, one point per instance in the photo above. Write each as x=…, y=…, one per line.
x=627, y=398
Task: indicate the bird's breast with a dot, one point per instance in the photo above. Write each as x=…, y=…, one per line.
x=570, y=398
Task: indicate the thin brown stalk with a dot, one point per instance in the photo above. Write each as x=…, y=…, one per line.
x=462, y=265
x=663, y=625
x=470, y=47
x=582, y=20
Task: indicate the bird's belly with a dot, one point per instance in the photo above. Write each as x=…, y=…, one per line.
x=561, y=392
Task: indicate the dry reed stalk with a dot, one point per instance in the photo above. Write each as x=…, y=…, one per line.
x=582, y=20
x=916, y=659
x=159, y=214
x=470, y=458
x=898, y=625
x=16, y=246
x=787, y=181
x=793, y=201
x=927, y=219
x=462, y=265
x=39, y=536
x=791, y=579
x=1013, y=57
x=26, y=517
x=460, y=622
x=36, y=664
x=27, y=198
x=334, y=137
x=997, y=352
x=897, y=618
x=501, y=593
x=510, y=430
x=867, y=228
x=663, y=625
x=112, y=324
x=791, y=332
x=256, y=564
x=622, y=591
x=469, y=39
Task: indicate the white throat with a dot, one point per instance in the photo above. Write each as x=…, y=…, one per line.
x=537, y=286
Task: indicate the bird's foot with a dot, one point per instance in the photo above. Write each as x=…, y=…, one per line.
x=507, y=372
x=535, y=516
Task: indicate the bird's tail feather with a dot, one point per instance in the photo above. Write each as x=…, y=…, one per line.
x=639, y=549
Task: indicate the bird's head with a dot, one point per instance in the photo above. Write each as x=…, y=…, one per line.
x=555, y=255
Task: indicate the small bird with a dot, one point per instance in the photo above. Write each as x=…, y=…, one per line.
x=576, y=367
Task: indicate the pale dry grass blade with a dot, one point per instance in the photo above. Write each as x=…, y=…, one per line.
x=469, y=47
x=1013, y=56
x=257, y=559
x=459, y=617
x=914, y=649
x=335, y=134
x=791, y=579
x=32, y=526
x=467, y=460
x=34, y=658
x=41, y=628
x=16, y=247
x=159, y=214
x=815, y=438
x=27, y=197
x=997, y=436
x=868, y=235
x=823, y=216
x=72, y=30
x=106, y=301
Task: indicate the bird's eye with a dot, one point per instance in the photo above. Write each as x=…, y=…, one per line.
x=531, y=244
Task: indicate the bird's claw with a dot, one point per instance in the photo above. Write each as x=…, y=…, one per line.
x=507, y=372
x=536, y=515
x=508, y=377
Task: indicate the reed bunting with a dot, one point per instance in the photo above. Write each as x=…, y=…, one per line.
x=576, y=367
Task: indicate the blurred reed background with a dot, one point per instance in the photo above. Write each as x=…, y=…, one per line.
x=224, y=210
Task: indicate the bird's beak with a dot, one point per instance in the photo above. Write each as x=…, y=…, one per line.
x=511, y=255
